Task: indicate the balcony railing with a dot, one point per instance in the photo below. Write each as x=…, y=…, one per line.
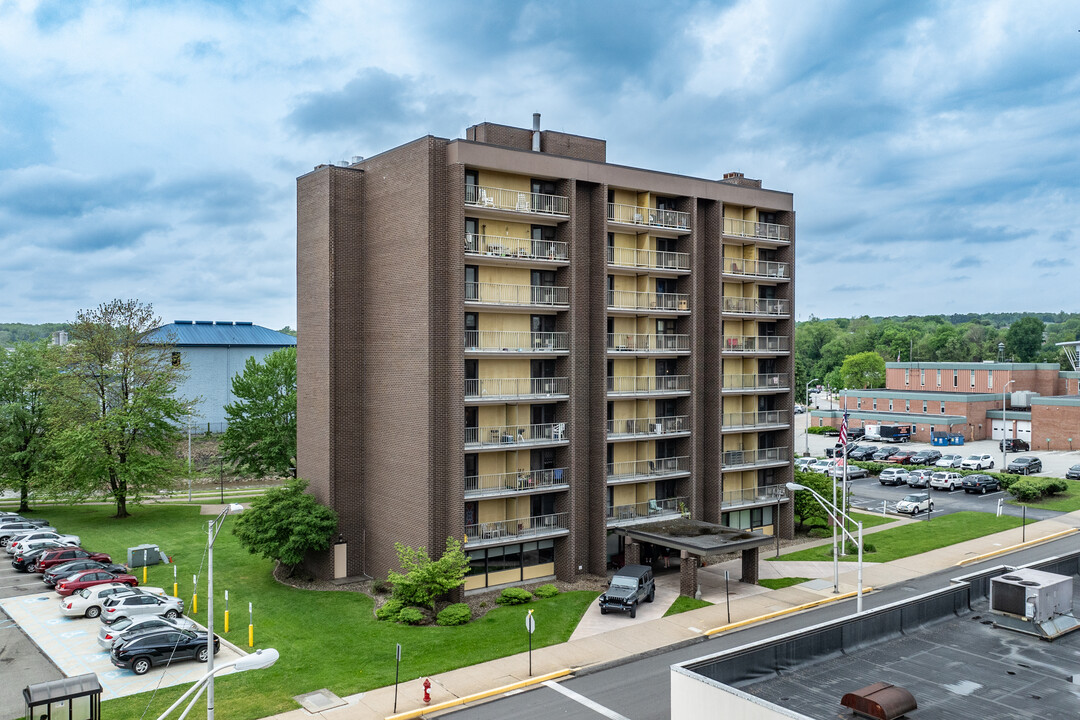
x=761, y=418
x=516, y=200
x=751, y=344
x=771, y=307
x=764, y=381
x=516, y=341
x=751, y=496
x=503, y=294
x=519, y=248
x=636, y=343
x=756, y=268
x=516, y=388
x=537, y=525
x=756, y=230
x=638, y=427
x=638, y=470
x=648, y=384
x=521, y=481
x=643, y=511
x=638, y=215
x=633, y=300
x=748, y=458
x=508, y=436
x=648, y=259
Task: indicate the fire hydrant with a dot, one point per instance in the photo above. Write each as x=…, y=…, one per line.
x=427, y=691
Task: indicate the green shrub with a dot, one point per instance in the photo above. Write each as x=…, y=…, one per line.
x=820, y=429
x=819, y=532
x=410, y=616
x=381, y=586
x=389, y=610
x=1053, y=486
x=853, y=549
x=546, y=591
x=513, y=596
x=456, y=614
x=874, y=468
x=1026, y=490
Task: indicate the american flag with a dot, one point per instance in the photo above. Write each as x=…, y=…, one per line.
x=843, y=431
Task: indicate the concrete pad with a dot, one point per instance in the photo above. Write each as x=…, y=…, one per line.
x=595, y=623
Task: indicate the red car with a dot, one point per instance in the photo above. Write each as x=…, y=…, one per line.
x=903, y=457
x=60, y=556
x=90, y=578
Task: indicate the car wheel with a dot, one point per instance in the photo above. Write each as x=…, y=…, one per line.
x=991, y=464
x=201, y=655
x=984, y=490
x=603, y=611
x=633, y=610
x=652, y=594
x=914, y=511
x=140, y=666
x=172, y=614
x=93, y=612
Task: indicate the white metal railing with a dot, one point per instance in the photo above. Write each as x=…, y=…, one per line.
x=507, y=435
x=643, y=384
x=638, y=342
x=636, y=427
x=516, y=528
x=512, y=247
x=764, y=381
x=757, y=230
x=648, y=509
x=765, y=456
x=516, y=200
x=767, y=493
x=756, y=268
x=757, y=306
x=646, y=469
x=481, y=485
x=638, y=215
x=516, y=387
x=752, y=419
x=750, y=343
x=648, y=259
x=516, y=341
x=633, y=300
x=506, y=294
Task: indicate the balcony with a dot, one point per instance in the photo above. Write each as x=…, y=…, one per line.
x=643, y=385
x=648, y=428
x=751, y=345
x=536, y=296
x=767, y=232
x=734, y=460
x=649, y=217
x=644, y=344
x=767, y=495
x=510, y=248
x=645, y=512
x=517, y=201
x=756, y=269
x=757, y=307
x=497, y=342
x=512, y=437
x=634, y=471
x=675, y=262
x=649, y=302
x=751, y=383
x=516, y=389
x=760, y=420
x=501, y=532
x=524, y=481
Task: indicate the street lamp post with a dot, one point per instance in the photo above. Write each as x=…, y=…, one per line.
x=213, y=528
x=833, y=515
x=255, y=661
x=1004, y=424
x=806, y=398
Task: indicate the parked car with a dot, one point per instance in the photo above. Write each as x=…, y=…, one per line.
x=124, y=606
x=1014, y=445
x=803, y=462
x=885, y=453
x=63, y=556
x=950, y=461
x=854, y=472
x=1073, y=473
x=1025, y=465
x=838, y=451
x=978, y=462
x=863, y=452
x=893, y=476
x=919, y=478
x=915, y=503
x=821, y=466
x=36, y=522
x=9, y=530
x=903, y=457
x=26, y=561
x=59, y=573
x=145, y=650
x=798, y=410
x=981, y=483
x=90, y=578
x=946, y=481
x=630, y=585
x=855, y=433
x=19, y=543
x=925, y=457
x=125, y=627
x=87, y=602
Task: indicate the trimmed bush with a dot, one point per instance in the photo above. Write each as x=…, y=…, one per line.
x=819, y=532
x=410, y=616
x=1026, y=490
x=820, y=429
x=546, y=591
x=456, y=614
x=389, y=610
x=853, y=549
x=381, y=586
x=874, y=468
x=1053, y=486
x=513, y=596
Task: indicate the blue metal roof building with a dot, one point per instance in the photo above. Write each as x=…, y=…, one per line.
x=184, y=333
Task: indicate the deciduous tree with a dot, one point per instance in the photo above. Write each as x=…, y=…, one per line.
x=1024, y=339
x=261, y=436
x=863, y=370
x=27, y=373
x=285, y=524
x=424, y=579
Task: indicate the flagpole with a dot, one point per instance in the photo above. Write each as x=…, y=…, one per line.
x=843, y=491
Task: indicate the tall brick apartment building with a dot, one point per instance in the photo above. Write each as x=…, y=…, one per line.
x=507, y=339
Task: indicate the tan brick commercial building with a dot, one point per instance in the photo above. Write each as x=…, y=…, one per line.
x=508, y=340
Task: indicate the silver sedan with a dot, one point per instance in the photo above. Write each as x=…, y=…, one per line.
x=123, y=627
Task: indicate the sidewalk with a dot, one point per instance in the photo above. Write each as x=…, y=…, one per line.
x=748, y=602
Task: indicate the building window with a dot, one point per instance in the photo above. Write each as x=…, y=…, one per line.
x=858, y=403
x=875, y=403
x=956, y=378
x=924, y=407
x=922, y=378
x=907, y=376
x=989, y=379
x=890, y=406
x=939, y=377
x=176, y=359
x=972, y=378
x=942, y=407
x=907, y=406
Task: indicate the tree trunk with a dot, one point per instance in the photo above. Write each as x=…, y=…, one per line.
x=24, y=497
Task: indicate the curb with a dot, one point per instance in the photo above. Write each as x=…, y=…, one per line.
x=1011, y=548
x=788, y=611
x=419, y=712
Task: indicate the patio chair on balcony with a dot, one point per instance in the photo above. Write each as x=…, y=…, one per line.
x=522, y=202
x=557, y=431
x=485, y=200
x=654, y=507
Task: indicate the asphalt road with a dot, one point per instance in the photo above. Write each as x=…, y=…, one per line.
x=869, y=493
x=639, y=688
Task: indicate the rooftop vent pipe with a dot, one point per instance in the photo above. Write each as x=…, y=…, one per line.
x=881, y=701
x=536, y=132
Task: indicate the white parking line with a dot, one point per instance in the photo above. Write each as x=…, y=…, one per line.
x=592, y=705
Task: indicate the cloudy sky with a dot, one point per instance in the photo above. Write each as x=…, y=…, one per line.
x=149, y=149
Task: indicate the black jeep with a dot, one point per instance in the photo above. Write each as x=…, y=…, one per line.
x=630, y=585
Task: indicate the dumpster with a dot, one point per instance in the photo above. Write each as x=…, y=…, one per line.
x=956, y=439
x=143, y=555
x=939, y=439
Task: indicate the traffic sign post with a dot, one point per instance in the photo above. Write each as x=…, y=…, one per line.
x=530, y=625
x=397, y=669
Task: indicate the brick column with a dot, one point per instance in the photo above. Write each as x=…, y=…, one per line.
x=785, y=522
x=632, y=553
x=750, y=566
x=688, y=575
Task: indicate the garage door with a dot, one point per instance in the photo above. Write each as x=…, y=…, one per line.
x=995, y=430
x=1023, y=430
x=1014, y=428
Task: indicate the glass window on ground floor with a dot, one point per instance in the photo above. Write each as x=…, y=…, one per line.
x=510, y=563
x=752, y=519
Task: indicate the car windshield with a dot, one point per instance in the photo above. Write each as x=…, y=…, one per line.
x=974, y=457
x=121, y=624
x=623, y=582
x=912, y=498
x=84, y=593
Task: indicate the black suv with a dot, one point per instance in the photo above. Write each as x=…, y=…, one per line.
x=156, y=647
x=1025, y=465
x=630, y=585
x=925, y=457
x=1014, y=445
x=863, y=452
x=980, y=484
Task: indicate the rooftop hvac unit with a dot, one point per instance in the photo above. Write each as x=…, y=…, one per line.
x=1022, y=398
x=1034, y=602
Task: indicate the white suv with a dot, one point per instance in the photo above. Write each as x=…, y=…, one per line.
x=978, y=462
x=946, y=481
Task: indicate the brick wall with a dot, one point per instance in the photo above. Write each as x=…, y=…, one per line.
x=1056, y=422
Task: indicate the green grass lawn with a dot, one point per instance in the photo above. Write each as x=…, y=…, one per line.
x=778, y=583
x=1067, y=501
x=868, y=520
x=683, y=603
x=326, y=639
x=918, y=537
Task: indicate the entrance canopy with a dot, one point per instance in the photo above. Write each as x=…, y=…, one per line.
x=696, y=537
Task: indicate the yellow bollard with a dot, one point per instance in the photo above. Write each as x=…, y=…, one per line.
x=195, y=603
x=175, y=591
x=226, y=621
x=251, y=636
x=143, y=574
